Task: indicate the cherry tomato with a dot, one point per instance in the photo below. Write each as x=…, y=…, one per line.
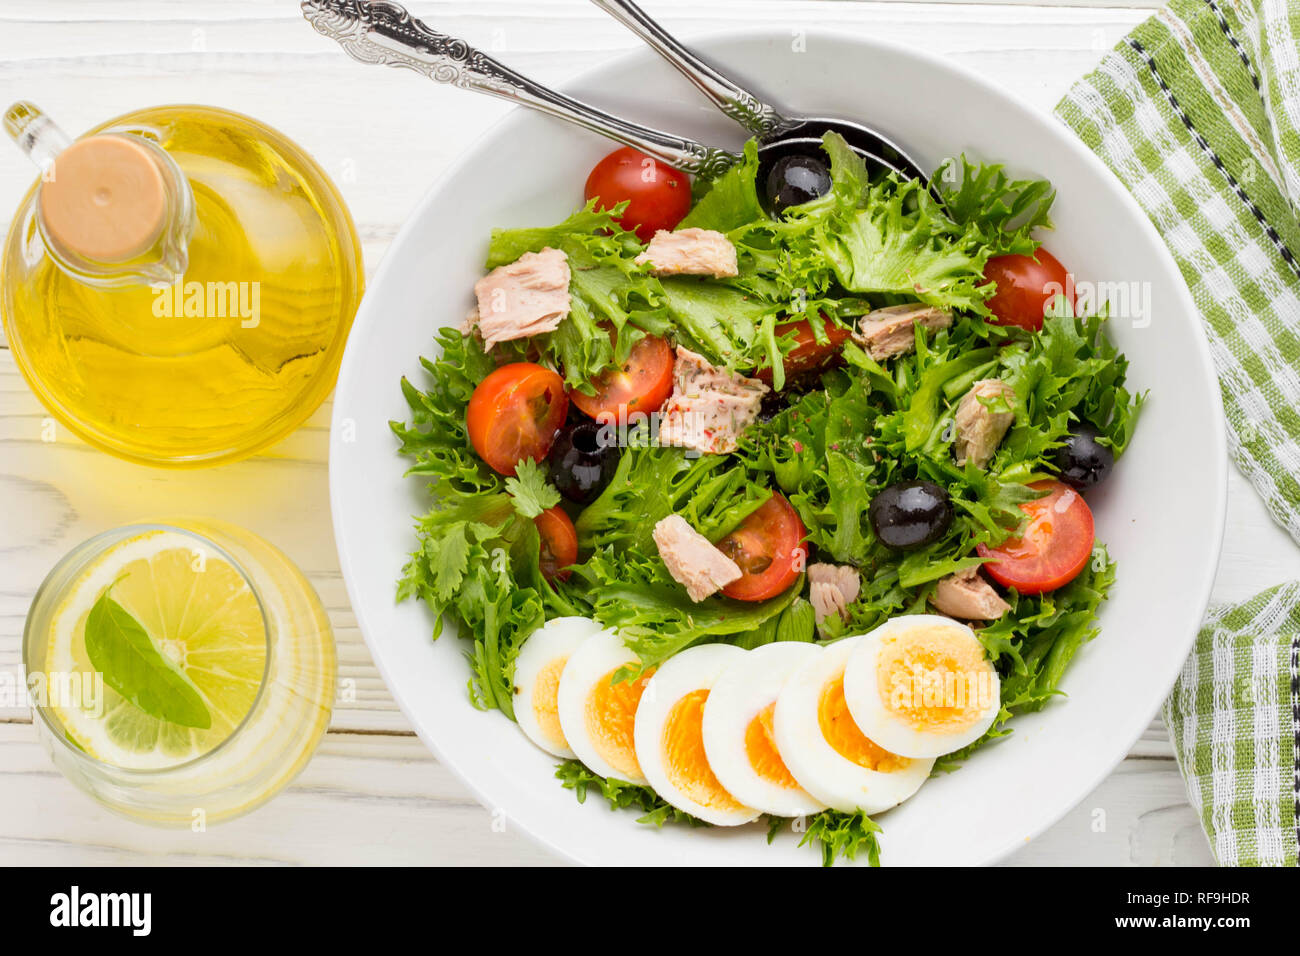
x=642, y=384
x=515, y=413
x=1056, y=546
x=1026, y=288
x=559, y=543
x=657, y=196
x=769, y=548
x=808, y=355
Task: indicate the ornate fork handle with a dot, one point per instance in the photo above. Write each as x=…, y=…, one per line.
x=733, y=100
x=385, y=33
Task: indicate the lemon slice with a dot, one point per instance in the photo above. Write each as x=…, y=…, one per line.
x=199, y=611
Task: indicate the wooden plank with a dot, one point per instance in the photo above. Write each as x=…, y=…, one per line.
x=155, y=11
x=374, y=794
x=384, y=800
x=378, y=800
x=385, y=136
x=1139, y=816
x=59, y=493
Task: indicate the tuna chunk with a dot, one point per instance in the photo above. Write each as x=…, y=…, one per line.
x=968, y=596
x=690, y=252
x=709, y=406
x=980, y=429
x=692, y=561
x=832, y=588
x=528, y=297
x=886, y=333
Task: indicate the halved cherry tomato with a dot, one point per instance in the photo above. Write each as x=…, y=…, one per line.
x=808, y=355
x=559, y=543
x=1055, y=547
x=1026, y=288
x=642, y=384
x=657, y=196
x=515, y=413
x=769, y=548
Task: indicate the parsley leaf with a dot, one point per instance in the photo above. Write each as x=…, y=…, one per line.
x=531, y=492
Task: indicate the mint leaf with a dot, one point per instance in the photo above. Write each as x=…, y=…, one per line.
x=122, y=650
x=531, y=492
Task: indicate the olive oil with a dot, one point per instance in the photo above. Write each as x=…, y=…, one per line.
x=217, y=352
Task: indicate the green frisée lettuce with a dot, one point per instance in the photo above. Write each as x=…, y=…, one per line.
x=830, y=446
x=1004, y=211
x=868, y=242
x=837, y=835
x=621, y=795
x=478, y=556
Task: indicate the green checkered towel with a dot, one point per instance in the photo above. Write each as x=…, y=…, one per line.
x=1198, y=113
x=1236, y=728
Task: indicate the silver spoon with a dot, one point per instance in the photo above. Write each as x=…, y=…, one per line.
x=778, y=135
x=385, y=33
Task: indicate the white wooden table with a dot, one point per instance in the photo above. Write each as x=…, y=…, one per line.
x=374, y=795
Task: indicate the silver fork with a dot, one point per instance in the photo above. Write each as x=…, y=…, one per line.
x=385, y=33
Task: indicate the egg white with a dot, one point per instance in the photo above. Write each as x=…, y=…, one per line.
x=820, y=769
x=548, y=647
x=738, y=696
x=589, y=665
x=897, y=734
x=694, y=669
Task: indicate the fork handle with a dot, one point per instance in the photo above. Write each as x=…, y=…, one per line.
x=733, y=100
x=384, y=32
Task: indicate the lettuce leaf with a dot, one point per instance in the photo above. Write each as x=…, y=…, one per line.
x=478, y=557
x=1005, y=212
x=899, y=243
x=731, y=200
x=621, y=795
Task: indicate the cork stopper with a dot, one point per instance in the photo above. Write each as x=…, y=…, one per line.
x=107, y=199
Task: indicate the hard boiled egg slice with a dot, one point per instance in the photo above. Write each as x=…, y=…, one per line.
x=670, y=737
x=596, y=714
x=921, y=685
x=738, y=730
x=538, y=668
x=824, y=749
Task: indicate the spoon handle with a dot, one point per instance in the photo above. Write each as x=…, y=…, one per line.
x=384, y=32
x=733, y=100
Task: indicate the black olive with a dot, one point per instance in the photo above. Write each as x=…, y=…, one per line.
x=583, y=460
x=1082, y=460
x=795, y=180
x=911, y=514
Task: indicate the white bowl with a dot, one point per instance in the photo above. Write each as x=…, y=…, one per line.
x=1161, y=513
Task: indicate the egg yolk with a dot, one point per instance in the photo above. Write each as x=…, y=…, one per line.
x=684, y=761
x=935, y=679
x=611, y=715
x=760, y=750
x=546, y=692
x=843, y=735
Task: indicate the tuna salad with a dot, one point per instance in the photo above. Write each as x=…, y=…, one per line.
x=749, y=511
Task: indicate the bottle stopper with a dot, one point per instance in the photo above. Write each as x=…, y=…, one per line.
x=105, y=199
